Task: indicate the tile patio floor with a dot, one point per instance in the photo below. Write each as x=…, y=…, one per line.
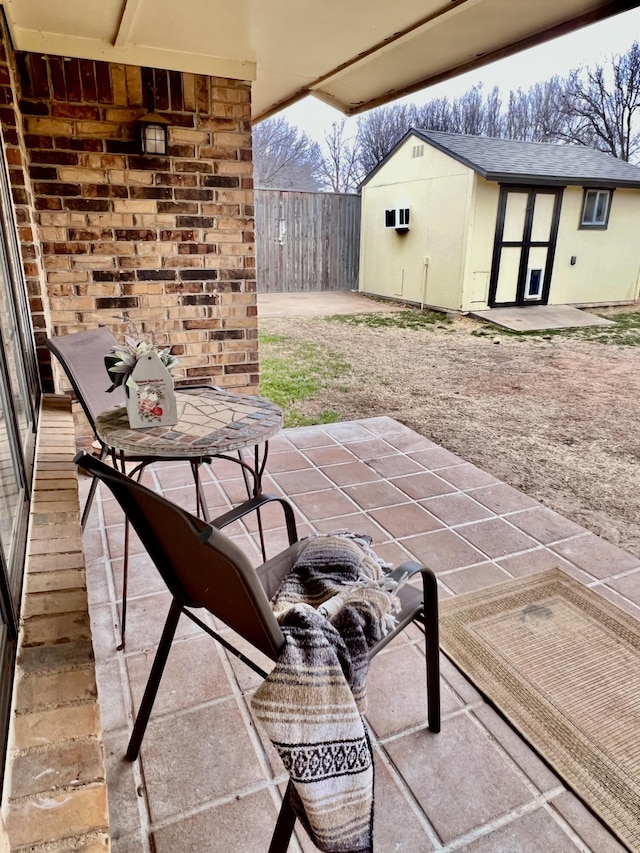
x=207, y=781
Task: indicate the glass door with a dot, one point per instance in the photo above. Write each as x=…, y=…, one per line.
x=19, y=400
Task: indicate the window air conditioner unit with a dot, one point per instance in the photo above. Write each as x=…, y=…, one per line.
x=397, y=217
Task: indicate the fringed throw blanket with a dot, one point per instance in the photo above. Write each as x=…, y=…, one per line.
x=332, y=608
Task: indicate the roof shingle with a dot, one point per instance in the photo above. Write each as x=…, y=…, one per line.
x=511, y=161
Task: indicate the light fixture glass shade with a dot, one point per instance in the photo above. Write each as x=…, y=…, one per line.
x=153, y=134
x=154, y=139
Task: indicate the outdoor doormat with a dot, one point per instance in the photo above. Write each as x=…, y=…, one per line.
x=563, y=666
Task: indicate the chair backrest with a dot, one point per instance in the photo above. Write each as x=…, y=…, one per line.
x=214, y=573
x=82, y=358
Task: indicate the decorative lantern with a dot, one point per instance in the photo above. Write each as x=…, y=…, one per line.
x=154, y=131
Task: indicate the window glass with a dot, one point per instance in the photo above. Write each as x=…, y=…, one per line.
x=16, y=420
x=7, y=653
x=10, y=486
x=589, y=208
x=16, y=321
x=11, y=352
x=534, y=284
x=19, y=391
x=601, y=207
x=596, y=208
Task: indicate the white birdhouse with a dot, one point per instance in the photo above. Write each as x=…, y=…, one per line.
x=152, y=401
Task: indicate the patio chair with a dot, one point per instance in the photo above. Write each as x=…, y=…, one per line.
x=81, y=355
x=204, y=569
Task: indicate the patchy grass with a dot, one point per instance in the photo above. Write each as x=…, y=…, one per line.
x=397, y=320
x=624, y=332
x=291, y=372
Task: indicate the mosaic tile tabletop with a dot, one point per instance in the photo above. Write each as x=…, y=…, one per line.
x=210, y=422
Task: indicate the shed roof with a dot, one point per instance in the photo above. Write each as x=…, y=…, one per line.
x=510, y=161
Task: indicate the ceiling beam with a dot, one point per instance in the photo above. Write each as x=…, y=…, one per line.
x=153, y=57
x=129, y=12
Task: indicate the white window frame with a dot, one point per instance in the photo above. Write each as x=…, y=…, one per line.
x=596, y=222
x=527, y=288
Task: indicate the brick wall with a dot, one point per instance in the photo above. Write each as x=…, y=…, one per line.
x=165, y=241
x=23, y=198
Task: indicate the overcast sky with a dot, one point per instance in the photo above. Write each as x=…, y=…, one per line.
x=587, y=46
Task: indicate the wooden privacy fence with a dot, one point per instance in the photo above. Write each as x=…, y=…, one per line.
x=306, y=241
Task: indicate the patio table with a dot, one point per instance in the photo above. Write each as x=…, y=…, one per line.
x=212, y=423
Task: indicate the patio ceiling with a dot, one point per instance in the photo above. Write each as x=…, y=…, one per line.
x=353, y=55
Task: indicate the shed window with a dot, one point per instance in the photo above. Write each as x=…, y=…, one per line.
x=595, y=209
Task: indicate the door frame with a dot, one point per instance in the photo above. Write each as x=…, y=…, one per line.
x=525, y=244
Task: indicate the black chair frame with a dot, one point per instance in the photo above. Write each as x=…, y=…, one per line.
x=202, y=568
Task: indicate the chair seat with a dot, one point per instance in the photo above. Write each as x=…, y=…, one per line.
x=274, y=571
x=410, y=601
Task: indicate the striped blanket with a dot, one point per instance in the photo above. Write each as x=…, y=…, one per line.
x=332, y=608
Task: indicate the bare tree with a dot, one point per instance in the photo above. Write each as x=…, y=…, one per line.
x=379, y=131
x=601, y=106
x=467, y=112
x=547, y=119
x=340, y=170
x=470, y=113
x=493, y=118
x=435, y=115
x=535, y=115
x=284, y=157
x=517, y=122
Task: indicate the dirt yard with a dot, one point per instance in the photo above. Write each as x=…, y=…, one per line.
x=558, y=419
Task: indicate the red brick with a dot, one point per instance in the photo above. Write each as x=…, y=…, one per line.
x=56, y=70
x=103, y=80
x=88, y=80
x=81, y=111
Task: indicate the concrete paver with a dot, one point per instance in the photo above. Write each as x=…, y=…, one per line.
x=320, y=304
x=533, y=318
x=208, y=780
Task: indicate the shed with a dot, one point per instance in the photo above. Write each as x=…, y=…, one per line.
x=468, y=223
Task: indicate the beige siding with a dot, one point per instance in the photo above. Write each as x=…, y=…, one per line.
x=481, y=238
x=607, y=262
x=437, y=189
